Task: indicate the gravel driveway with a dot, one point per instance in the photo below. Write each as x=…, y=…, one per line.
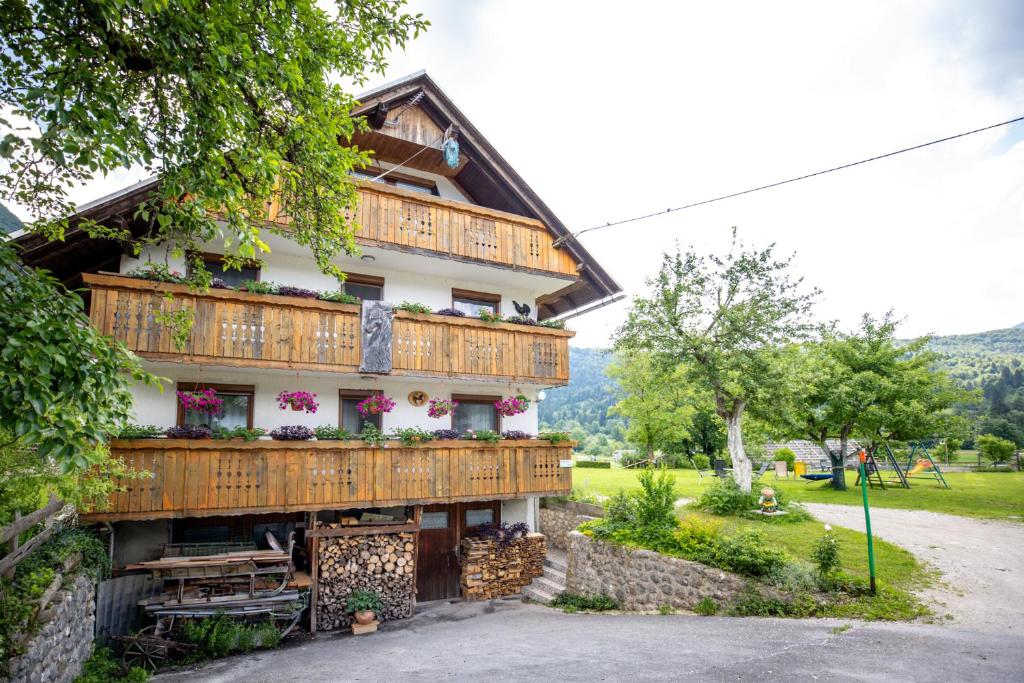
x=982, y=561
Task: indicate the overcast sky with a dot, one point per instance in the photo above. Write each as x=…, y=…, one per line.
x=614, y=109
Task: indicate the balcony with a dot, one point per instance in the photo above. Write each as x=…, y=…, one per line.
x=240, y=329
x=392, y=218
x=203, y=478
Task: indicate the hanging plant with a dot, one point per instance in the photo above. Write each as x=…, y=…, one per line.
x=439, y=407
x=298, y=400
x=375, y=405
x=513, y=405
x=201, y=400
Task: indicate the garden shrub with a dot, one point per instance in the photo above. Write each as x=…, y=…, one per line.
x=787, y=456
x=221, y=635
x=826, y=554
x=701, y=461
x=594, y=464
x=793, y=577
x=747, y=553
x=995, y=449
x=102, y=667
x=656, y=499
x=572, y=603
x=754, y=605
x=725, y=497
x=706, y=607
x=696, y=538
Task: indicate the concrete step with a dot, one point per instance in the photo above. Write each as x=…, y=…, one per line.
x=548, y=585
x=557, y=563
x=537, y=595
x=556, y=575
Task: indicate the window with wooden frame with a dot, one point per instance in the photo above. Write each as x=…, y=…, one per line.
x=476, y=413
x=398, y=179
x=366, y=287
x=349, y=417
x=471, y=303
x=232, y=277
x=236, y=411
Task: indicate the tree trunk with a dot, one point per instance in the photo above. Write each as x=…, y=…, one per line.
x=741, y=470
x=839, y=464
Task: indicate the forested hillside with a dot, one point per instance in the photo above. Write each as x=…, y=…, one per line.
x=993, y=361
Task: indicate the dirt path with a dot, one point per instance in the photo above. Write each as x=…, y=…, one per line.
x=982, y=561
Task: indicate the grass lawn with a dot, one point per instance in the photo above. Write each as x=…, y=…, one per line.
x=991, y=495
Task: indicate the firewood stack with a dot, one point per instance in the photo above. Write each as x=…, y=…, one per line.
x=492, y=571
x=380, y=562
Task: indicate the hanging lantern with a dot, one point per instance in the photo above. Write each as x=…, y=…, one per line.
x=450, y=147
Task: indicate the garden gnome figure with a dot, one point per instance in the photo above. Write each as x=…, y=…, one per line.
x=769, y=505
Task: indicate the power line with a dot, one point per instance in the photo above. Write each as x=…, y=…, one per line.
x=789, y=180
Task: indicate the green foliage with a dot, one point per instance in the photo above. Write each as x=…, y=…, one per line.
x=729, y=321
x=340, y=297
x=63, y=385
x=236, y=106
x=785, y=455
x=485, y=435
x=724, y=497
x=330, y=432
x=410, y=436
x=553, y=324
x=656, y=401
x=994, y=449
x=412, y=307
x=747, y=553
x=575, y=603
x=363, y=600
x=372, y=435
x=258, y=287
x=656, y=499
x=103, y=667
x=177, y=318
x=133, y=431
x=706, y=607
x=755, y=605
x=581, y=408
x=238, y=433
x=665, y=610
x=555, y=437
x=826, y=554
x=701, y=461
x=489, y=317
x=156, y=271
x=593, y=464
x=221, y=635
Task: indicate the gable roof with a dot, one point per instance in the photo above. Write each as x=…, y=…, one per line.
x=494, y=183
x=8, y=221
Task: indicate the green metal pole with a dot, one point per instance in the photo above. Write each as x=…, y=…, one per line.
x=867, y=522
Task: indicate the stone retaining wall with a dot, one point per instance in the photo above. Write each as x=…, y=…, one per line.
x=63, y=642
x=557, y=520
x=645, y=580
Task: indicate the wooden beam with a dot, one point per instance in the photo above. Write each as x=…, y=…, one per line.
x=363, y=530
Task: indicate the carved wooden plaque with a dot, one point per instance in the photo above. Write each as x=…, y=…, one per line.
x=375, y=331
x=418, y=398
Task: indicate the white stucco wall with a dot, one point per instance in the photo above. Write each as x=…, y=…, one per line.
x=160, y=408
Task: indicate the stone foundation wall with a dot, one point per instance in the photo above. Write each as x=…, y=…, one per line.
x=56, y=653
x=491, y=571
x=557, y=520
x=645, y=580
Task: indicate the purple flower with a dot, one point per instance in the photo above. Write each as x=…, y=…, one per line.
x=446, y=434
x=189, y=432
x=439, y=407
x=298, y=400
x=292, y=433
x=450, y=311
x=288, y=290
x=375, y=404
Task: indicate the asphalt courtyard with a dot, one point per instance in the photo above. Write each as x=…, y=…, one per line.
x=508, y=640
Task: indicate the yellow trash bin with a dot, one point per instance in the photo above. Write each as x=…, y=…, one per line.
x=799, y=468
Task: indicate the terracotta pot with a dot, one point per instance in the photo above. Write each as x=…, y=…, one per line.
x=296, y=406
x=364, y=617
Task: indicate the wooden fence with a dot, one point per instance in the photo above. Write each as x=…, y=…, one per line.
x=10, y=534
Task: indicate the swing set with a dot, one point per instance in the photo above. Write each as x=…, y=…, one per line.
x=923, y=468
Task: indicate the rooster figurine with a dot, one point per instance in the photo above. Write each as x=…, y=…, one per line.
x=522, y=309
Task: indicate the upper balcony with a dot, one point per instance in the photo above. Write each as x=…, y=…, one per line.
x=242, y=329
x=393, y=218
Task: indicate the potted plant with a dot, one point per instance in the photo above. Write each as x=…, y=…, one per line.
x=375, y=404
x=201, y=400
x=513, y=405
x=292, y=433
x=364, y=605
x=439, y=407
x=298, y=400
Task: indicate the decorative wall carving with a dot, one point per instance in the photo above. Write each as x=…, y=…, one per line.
x=375, y=327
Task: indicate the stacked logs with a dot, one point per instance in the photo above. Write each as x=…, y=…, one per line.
x=490, y=570
x=379, y=562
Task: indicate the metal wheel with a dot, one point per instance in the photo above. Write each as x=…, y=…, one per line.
x=146, y=650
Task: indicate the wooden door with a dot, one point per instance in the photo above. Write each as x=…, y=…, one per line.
x=437, y=576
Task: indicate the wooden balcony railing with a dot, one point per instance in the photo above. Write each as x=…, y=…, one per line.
x=268, y=331
x=393, y=218
x=202, y=478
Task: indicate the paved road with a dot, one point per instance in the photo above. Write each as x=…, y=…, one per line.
x=514, y=641
x=982, y=561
